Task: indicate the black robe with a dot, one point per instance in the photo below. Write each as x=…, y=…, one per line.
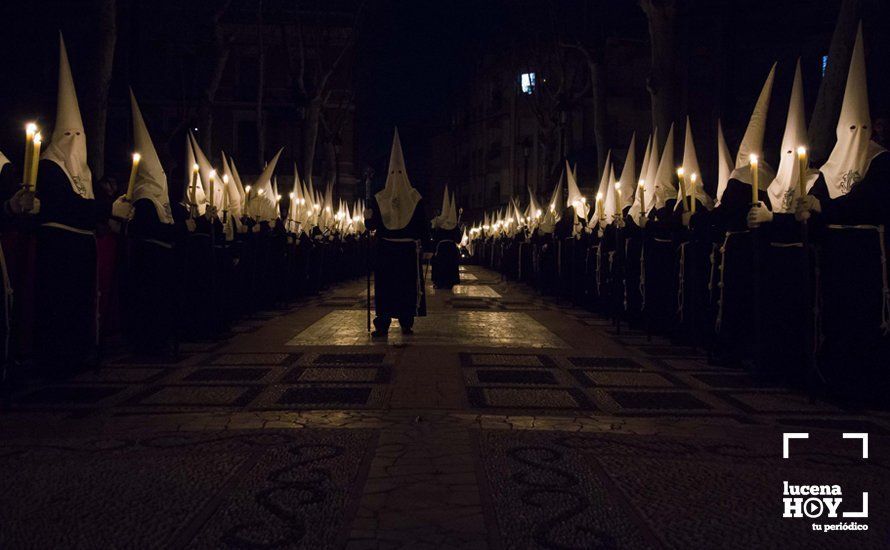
x=148, y=295
x=445, y=262
x=398, y=272
x=854, y=350
x=66, y=323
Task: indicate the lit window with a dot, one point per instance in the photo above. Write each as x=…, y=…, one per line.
x=527, y=82
x=824, y=64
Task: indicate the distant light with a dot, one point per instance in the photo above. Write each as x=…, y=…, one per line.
x=195, y=128
x=527, y=83
x=824, y=64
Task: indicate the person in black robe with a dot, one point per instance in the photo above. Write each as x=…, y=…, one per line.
x=397, y=215
x=445, y=262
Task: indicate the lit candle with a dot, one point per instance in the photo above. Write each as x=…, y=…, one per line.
x=225, y=195
x=680, y=172
x=693, y=177
x=212, y=178
x=30, y=132
x=618, y=212
x=136, y=158
x=193, y=186
x=642, y=187
x=755, y=177
x=35, y=160
x=599, y=207
x=802, y=162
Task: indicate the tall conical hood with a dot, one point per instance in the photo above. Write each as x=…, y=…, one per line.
x=785, y=187
x=651, y=171
x=196, y=195
x=853, y=152
x=628, y=181
x=610, y=205
x=151, y=181
x=68, y=147
x=575, y=199
x=664, y=176
x=555, y=205
x=690, y=167
x=724, y=162
x=752, y=142
x=638, y=192
x=602, y=190
x=263, y=204
x=206, y=169
x=533, y=206
x=398, y=199
x=235, y=204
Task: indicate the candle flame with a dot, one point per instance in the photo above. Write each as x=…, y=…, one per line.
x=30, y=128
x=752, y=158
x=247, y=189
x=693, y=177
x=680, y=171
x=213, y=173
x=642, y=184
x=136, y=158
x=599, y=196
x=195, y=167
x=38, y=138
x=801, y=151
x=617, y=185
x=225, y=178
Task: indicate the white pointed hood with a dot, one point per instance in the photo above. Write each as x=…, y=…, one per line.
x=3, y=160
x=199, y=198
x=785, y=187
x=263, y=205
x=651, y=171
x=447, y=218
x=534, y=208
x=398, y=199
x=205, y=169
x=637, y=205
x=752, y=142
x=235, y=205
x=555, y=205
x=151, y=181
x=68, y=147
x=628, y=182
x=853, y=152
x=610, y=204
x=665, y=189
x=724, y=162
x=575, y=198
x=690, y=166
x=602, y=190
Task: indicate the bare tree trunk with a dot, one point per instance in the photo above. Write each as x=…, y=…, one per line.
x=221, y=49
x=831, y=90
x=261, y=87
x=97, y=82
x=662, y=82
x=310, y=133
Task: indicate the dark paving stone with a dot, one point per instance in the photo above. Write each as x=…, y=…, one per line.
x=254, y=359
x=670, y=351
x=505, y=360
x=196, y=396
x=605, y=363
x=307, y=396
x=350, y=358
x=69, y=395
x=657, y=400
x=213, y=374
x=528, y=398
x=597, y=377
x=515, y=377
x=149, y=360
x=720, y=380
x=363, y=374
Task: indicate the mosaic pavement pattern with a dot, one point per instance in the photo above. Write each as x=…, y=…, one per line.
x=564, y=490
x=294, y=488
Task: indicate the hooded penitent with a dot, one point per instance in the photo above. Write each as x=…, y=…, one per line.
x=602, y=191
x=151, y=181
x=752, y=142
x=234, y=204
x=785, y=188
x=398, y=199
x=610, y=201
x=852, y=154
x=263, y=205
x=637, y=206
x=664, y=175
x=194, y=189
x=68, y=147
x=206, y=170
x=690, y=167
x=555, y=205
x=724, y=162
x=575, y=198
x=651, y=171
x=628, y=182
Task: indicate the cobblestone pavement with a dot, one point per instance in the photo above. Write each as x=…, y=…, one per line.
x=508, y=421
